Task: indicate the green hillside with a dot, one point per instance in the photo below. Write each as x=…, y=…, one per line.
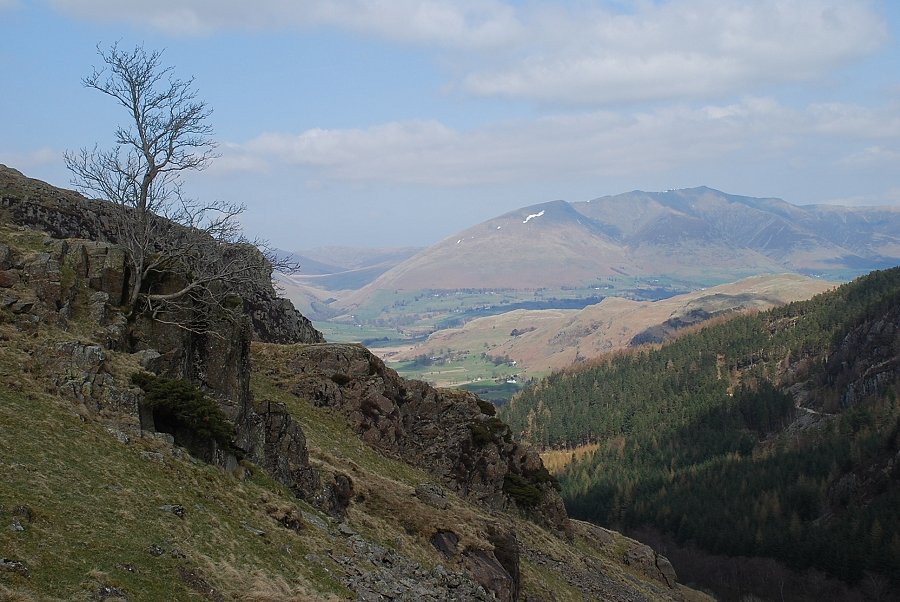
x=702, y=440
x=142, y=460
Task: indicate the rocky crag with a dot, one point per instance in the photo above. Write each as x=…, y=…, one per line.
x=66, y=337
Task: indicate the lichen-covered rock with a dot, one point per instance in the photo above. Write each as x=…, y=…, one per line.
x=78, y=371
x=444, y=431
x=433, y=495
x=65, y=214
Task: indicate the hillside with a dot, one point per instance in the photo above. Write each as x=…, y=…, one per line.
x=544, y=340
x=146, y=461
x=699, y=235
x=772, y=435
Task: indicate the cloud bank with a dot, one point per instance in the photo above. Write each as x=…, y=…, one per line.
x=597, y=143
x=563, y=53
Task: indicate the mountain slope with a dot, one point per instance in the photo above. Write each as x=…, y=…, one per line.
x=771, y=435
x=544, y=245
x=699, y=235
x=799, y=238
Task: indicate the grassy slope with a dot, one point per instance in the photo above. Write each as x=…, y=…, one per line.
x=91, y=501
x=96, y=511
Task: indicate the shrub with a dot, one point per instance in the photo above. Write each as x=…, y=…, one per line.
x=182, y=404
x=521, y=490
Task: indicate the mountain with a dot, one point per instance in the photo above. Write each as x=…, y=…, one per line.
x=773, y=436
x=545, y=245
x=698, y=235
x=342, y=268
x=807, y=239
x=553, y=339
x=249, y=460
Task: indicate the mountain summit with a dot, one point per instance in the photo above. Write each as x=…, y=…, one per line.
x=700, y=235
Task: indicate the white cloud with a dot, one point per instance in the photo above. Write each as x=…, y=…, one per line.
x=873, y=157
x=459, y=23
x=31, y=159
x=594, y=144
x=682, y=49
x=570, y=53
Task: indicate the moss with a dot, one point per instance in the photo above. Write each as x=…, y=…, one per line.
x=486, y=431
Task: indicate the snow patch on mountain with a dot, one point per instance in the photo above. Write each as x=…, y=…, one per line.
x=532, y=216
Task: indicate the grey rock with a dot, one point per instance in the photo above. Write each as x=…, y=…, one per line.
x=108, y=592
x=149, y=359
x=167, y=438
x=5, y=257
x=155, y=550
x=153, y=456
x=253, y=530
x=121, y=437
x=346, y=530
x=13, y=566
x=433, y=495
x=315, y=521
x=175, y=509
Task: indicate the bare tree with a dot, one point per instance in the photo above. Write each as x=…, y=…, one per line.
x=173, y=244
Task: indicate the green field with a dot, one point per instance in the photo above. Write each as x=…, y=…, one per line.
x=399, y=318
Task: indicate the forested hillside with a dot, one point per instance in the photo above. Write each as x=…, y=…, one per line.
x=773, y=434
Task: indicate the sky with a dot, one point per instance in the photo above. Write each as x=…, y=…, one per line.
x=391, y=123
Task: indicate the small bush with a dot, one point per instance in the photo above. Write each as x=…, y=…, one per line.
x=521, y=490
x=181, y=403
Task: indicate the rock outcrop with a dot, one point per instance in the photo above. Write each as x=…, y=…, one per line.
x=64, y=214
x=450, y=433
x=73, y=282
x=867, y=358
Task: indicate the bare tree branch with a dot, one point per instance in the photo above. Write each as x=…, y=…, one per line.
x=185, y=257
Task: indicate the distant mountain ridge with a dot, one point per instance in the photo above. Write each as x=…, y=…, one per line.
x=699, y=234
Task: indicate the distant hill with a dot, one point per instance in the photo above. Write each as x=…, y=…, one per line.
x=345, y=268
x=700, y=235
x=552, y=339
x=326, y=272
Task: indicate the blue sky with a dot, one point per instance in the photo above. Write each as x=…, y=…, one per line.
x=400, y=122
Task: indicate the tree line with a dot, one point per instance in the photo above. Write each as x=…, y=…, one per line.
x=694, y=440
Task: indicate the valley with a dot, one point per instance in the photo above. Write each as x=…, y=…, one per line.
x=551, y=285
